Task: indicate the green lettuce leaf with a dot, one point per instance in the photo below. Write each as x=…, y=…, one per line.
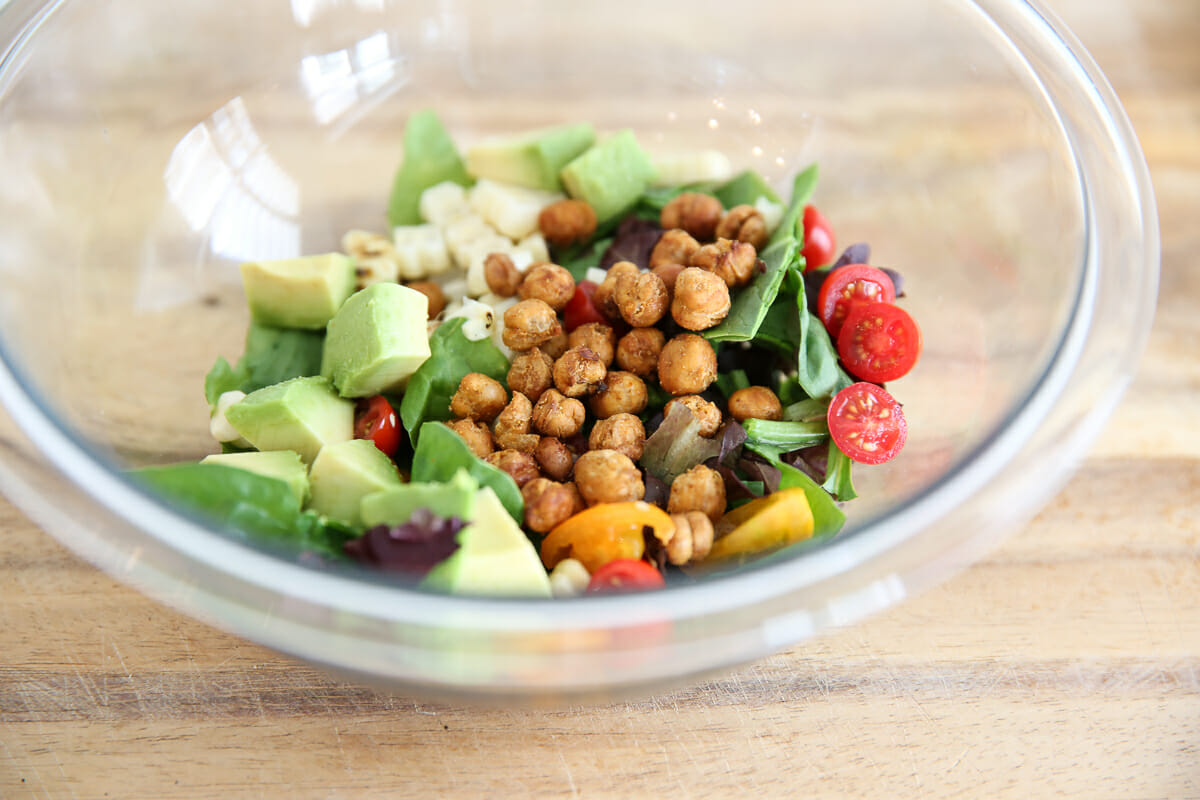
x=452, y=356
x=430, y=158
x=441, y=453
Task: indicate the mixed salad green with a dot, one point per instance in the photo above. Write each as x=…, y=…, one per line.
x=571, y=367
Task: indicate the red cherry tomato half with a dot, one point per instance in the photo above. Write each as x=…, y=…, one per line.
x=866, y=423
x=581, y=309
x=375, y=419
x=848, y=286
x=819, y=242
x=879, y=342
x=625, y=575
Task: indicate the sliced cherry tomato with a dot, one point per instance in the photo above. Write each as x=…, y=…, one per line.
x=866, y=423
x=625, y=575
x=375, y=419
x=581, y=309
x=879, y=342
x=848, y=286
x=819, y=242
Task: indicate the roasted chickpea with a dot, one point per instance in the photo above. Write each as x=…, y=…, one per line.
x=641, y=299
x=549, y=504
x=668, y=274
x=687, y=365
x=744, y=223
x=501, y=274
x=601, y=339
x=701, y=299
x=511, y=429
x=566, y=222
x=530, y=323
x=755, y=402
x=475, y=434
x=579, y=372
x=549, y=283
x=557, y=415
x=531, y=373
x=433, y=293
x=554, y=457
x=606, y=476
x=637, y=351
x=520, y=466
x=479, y=397
x=698, y=489
x=556, y=345
x=603, y=296
x=675, y=246
x=706, y=413
x=623, y=393
x=698, y=214
x=735, y=262
x=621, y=432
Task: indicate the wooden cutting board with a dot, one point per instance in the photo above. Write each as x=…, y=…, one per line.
x=1066, y=663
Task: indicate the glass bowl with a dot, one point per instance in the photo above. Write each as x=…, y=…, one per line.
x=146, y=149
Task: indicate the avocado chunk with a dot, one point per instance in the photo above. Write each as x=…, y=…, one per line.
x=376, y=340
x=346, y=472
x=610, y=176
x=302, y=414
x=395, y=505
x=494, y=557
x=286, y=465
x=533, y=159
x=298, y=292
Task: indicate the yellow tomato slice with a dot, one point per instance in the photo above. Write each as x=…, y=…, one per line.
x=768, y=523
x=606, y=532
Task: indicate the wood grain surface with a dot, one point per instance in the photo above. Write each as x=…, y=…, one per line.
x=1067, y=663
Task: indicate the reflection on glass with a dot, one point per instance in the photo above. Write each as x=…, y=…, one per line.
x=220, y=176
x=344, y=79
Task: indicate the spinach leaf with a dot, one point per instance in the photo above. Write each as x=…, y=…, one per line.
x=220, y=379
x=271, y=355
x=441, y=453
x=745, y=189
x=656, y=197
x=780, y=328
x=452, y=356
x=771, y=439
x=274, y=355
x=430, y=158
x=264, y=509
x=729, y=382
x=828, y=519
x=802, y=190
x=818, y=370
x=837, y=475
x=754, y=302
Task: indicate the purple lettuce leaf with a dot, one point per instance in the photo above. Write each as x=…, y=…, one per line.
x=634, y=240
x=413, y=548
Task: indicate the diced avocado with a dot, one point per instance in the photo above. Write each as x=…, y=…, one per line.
x=745, y=189
x=346, y=472
x=534, y=159
x=376, y=340
x=430, y=158
x=494, y=557
x=303, y=414
x=610, y=176
x=286, y=465
x=298, y=292
x=395, y=505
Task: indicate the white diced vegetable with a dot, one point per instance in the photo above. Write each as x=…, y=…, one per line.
x=772, y=213
x=569, y=578
x=420, y=251
x=219, y=426
x=512, y=210
x=443, y=203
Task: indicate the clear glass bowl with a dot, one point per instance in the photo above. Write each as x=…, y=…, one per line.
x=146, y=149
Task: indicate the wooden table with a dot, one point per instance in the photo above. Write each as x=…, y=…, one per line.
x=1071, y=669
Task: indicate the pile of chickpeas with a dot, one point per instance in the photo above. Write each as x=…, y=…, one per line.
x=536, y=433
